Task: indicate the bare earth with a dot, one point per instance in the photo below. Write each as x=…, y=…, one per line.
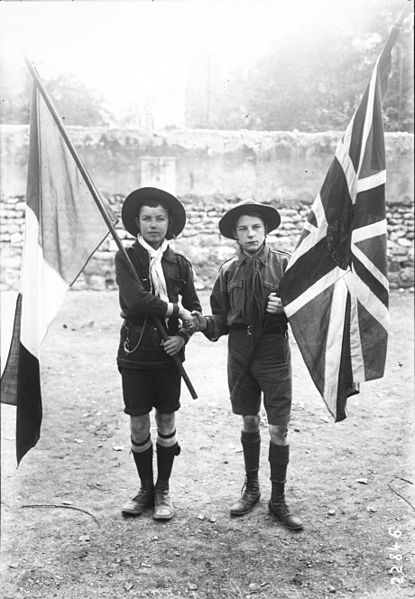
x=339, y=483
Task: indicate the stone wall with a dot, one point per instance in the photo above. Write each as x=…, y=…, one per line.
x=209, y=171
x=201, y=241
x=268, y=165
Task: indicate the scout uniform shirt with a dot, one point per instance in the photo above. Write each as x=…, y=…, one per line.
x=140, y=342
x=230, y=290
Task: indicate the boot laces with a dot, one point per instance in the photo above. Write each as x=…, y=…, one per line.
x=146, y=489
x=281, y=505
x=162, y=494
x=250, y=486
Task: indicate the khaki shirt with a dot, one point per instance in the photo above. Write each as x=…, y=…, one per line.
x=227, y=293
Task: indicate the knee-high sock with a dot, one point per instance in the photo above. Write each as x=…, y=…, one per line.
x=279, y=457
x=251, y=444
x=143, y=458
x=167, y=449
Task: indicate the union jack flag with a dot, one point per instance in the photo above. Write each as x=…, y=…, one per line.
x=335, y=290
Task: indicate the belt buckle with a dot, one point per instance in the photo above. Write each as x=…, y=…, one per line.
x=249, y=330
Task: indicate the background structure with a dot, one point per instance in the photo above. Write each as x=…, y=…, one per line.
x=209, y=170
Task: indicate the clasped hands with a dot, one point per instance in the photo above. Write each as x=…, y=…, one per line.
x=194, y=321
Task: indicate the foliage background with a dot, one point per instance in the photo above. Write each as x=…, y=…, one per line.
x=309, y=81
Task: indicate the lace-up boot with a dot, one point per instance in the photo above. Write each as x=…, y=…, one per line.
x=250, y=495
x=163, y=507
x=278, y=507
x=279, y=459
x=143, y=500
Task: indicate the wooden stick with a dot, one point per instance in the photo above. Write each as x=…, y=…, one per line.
x=63, y=505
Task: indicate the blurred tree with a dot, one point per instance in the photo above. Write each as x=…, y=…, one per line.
x=312, y=83
x=15, y=93
x=75, y=102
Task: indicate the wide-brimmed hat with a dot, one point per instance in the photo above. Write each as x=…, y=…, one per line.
x=137, y=198
x=269, y=215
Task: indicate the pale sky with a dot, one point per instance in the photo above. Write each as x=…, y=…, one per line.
x=128, y=50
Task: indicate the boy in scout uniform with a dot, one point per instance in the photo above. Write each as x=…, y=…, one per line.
x=150, y=377
x=245, y=305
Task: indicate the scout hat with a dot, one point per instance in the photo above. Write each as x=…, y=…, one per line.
x=137, y=198
x=269, y=215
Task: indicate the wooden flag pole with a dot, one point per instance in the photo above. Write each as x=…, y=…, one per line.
x=396, y=27
x=100, y=204
x=404, y=14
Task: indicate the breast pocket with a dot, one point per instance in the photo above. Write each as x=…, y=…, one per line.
x=178, y=286
x=235, y=293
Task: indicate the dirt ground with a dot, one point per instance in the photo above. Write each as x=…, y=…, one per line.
x=348, y=481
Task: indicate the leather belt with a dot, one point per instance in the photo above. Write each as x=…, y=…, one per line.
x=269, y=329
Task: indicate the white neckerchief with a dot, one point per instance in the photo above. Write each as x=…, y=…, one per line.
x=156, y=271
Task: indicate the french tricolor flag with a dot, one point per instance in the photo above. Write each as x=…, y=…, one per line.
x=63, y=228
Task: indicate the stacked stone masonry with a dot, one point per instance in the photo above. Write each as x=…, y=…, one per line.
x=209, y=171
x=201, y=241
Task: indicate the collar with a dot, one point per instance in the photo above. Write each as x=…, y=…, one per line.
x=168, y=255
x=262, y=254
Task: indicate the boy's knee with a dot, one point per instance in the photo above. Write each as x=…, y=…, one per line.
x=251, y=423
x=166, y=423
x=140, y=427
x=278, y=434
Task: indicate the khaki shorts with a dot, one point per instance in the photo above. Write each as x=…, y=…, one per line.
x=269, y=373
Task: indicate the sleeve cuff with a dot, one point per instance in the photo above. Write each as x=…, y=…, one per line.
x=212, y=330
x=172, y=309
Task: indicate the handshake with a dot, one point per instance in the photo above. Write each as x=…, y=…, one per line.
x=192, y=321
